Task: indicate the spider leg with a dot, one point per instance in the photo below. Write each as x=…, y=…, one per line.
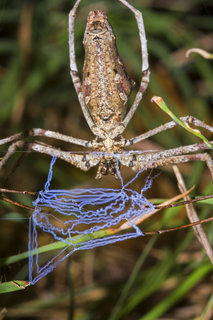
x=137, y=160
x=74, y=69
x=81, y=160
x=145, y=70
x=11, y=150
x=36, y=132
x=59, y=136
x=166, y=126
x=18, y=141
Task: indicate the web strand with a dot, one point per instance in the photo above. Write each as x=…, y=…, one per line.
x=76, y=216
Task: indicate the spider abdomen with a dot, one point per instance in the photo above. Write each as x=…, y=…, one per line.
x=105, y=86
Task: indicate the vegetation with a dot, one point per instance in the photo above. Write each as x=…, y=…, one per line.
x=167, y=276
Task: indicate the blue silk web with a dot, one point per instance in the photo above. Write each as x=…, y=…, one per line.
x=76, y=217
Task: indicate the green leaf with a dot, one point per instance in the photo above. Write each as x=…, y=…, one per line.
x=14, y=285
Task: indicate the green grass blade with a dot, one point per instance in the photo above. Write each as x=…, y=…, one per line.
x=125, y=292
x=54, y=246
x=177, y=294
x=161, y=103
x=14, y=285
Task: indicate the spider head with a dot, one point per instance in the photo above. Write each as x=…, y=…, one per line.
x=97, y=23
x=108, y=165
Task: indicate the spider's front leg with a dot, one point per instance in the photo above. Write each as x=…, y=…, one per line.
x=73, y=66
x=145, y=70
x=138, y=160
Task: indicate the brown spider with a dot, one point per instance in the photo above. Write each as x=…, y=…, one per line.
x=103, y=96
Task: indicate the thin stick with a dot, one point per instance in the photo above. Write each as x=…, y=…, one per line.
x=193, y=224
x=192, y=215
x=18, y=192
x=158, y=207
x=17, y=203
x=184, y=202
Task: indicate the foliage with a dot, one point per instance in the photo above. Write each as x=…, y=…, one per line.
x=143, y=278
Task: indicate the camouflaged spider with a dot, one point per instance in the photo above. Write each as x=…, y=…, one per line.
x=103, y=96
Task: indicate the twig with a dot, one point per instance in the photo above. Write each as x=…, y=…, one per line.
x=193, y=224
x=17, y=203
x=192, y=215
x=18, y=191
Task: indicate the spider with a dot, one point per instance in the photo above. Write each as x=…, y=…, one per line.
x=103, y=95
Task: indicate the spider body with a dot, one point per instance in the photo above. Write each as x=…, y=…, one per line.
x=105, y=85
x=103, y=94
x=105, y=88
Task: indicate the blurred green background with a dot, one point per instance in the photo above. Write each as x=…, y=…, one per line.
x=168, y=277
